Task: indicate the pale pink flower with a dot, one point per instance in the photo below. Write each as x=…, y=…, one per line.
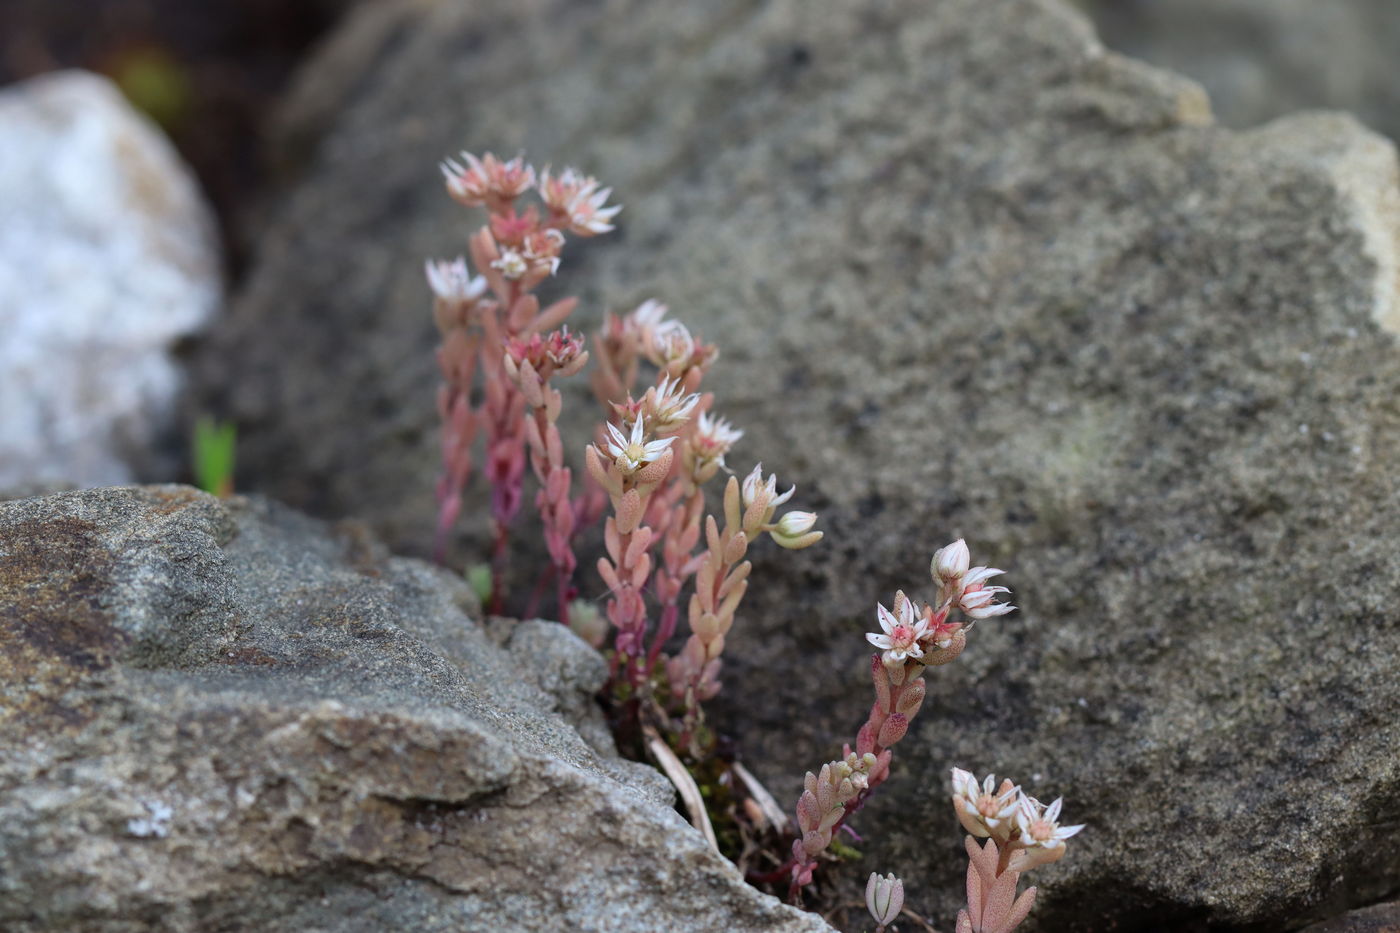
x=671, y=343
x=713, y=438
x=755, y=487
x=588, y=216
x=559, y=348
x=511, y=263
x=977, y=598
x=487, y=178
x=542, y=250
x=670, y=405
x=631, y=453
x=648, y=314
x=1039, y=824
x=452, y=281
x=901, y=633
x=985, y=810
x=577, y=198
x=559, y=191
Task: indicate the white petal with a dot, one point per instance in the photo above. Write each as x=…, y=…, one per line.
x=879, y=641
x=656, y=448
x=978, y=574
x=886, y=619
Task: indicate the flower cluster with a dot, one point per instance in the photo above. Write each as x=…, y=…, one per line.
x=1021, y=832
x=1028, y=829
x=652, y=462
x=658, y=446
x=925, y=635
x=911, y=638
x=649, y=461
x=1021, y=835
x=492, y=322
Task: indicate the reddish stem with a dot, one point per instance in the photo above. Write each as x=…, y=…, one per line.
x=564, y=592
x=498, y=561
x=777, y=874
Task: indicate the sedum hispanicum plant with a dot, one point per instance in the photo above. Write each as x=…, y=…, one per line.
x=668, y=554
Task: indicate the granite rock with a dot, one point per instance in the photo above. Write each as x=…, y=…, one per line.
x=972, y=274
x=1262, y=59
x=227, y=716
x=108, y=260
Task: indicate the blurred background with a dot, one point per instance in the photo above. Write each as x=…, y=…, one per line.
x=208, y=73
x=211, y=77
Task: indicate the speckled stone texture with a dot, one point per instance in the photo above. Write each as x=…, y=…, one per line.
x=1380, y=918
x=229, y=717
x=1261, y=59
x=972, y=275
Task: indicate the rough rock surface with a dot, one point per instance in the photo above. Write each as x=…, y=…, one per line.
x=1261, y=59
x=226, y=717
x=108, y=258
x=972, y=275
x=1381, y=918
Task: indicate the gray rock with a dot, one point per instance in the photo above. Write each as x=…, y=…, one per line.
x=972, y=275
x=108, y=258
x=1381, y=918
x=230, y=717
x=1261, y=59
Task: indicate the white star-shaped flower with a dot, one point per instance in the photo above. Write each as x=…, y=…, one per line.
x=632, y=452
x=900, y=639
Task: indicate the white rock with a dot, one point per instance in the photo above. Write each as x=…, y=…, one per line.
x=108, y=256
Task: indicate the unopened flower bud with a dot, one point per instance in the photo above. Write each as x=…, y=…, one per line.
x=794, y=530
x=950, y=563
x=884, y=897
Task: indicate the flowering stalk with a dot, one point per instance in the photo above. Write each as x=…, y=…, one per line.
x=458, y=299
x=530, y=364
x=911, y=639
x=702, y=452
x=628, y=469
x=514, y=253
x=1021, y=833
x=722, y=579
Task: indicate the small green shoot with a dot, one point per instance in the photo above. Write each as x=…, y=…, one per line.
x=214, y=445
